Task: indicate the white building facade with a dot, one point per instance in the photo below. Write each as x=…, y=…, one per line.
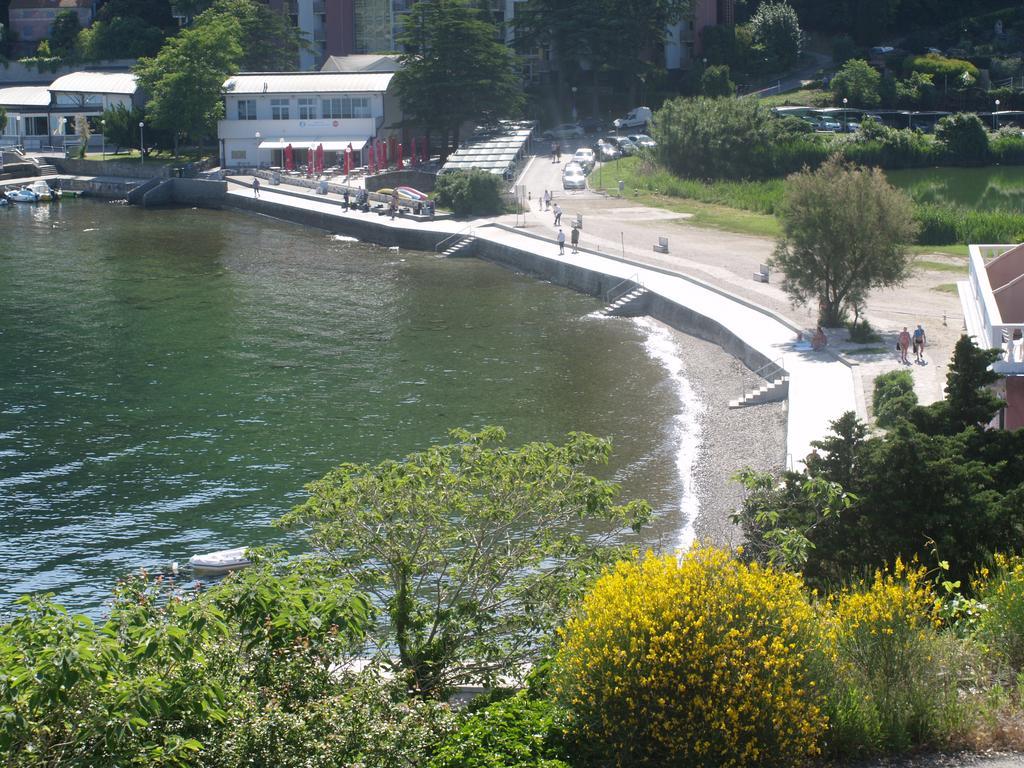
x=266, y=112
x=41, y=117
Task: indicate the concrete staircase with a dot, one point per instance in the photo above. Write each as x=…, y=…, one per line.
x=462, y=247
x=45, y=169
x=627, y=305
x=769, y=392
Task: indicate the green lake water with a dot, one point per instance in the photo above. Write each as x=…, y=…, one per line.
x=989, y=188
x=170, y=379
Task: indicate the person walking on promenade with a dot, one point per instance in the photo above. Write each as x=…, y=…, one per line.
x=344, y=198
x=255, y=186
x=561, y=242
x=575, y=239
x=558, y=214
x=554, y=152
x=919, y=341
x=547, y=199
x=558, y=153
x=904, y=345
x=394, y=203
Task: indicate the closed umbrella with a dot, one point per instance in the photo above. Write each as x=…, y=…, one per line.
x=310, y=159
x=371, y=158
x=289, y=158
x=319, y=159
x=398, y=157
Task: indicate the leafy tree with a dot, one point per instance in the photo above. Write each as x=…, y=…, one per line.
x=84, y=133
x=964, y=137
x=845, y=231
x=857, y=81
x=776, y=30
x=474, y=192
x=714, y=138
x=155, y=13
x=715, y=82
x=122, y=37
x=473, y=549
x=184, y=80
x=269, y=41
x=64, y=33
x=122, y=125
x=893, y=397
x=455, y=69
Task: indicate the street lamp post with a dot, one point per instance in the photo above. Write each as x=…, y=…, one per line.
x=258, y=137
x=574, y=103
x=17, y=129
x=846, y=124
x=103, y=138
x=995, y=120
x=142, y=144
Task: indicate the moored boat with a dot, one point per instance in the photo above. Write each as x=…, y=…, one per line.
x=23, y=195
x=222, y=561
x=42, y=189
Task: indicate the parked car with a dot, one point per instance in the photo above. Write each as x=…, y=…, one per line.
x=585, y=157
x=592, y=124
x=635, y=118
x=573, y=177
x=607, y=150
x=642, y=140
x=564, y=131
x=625, y=146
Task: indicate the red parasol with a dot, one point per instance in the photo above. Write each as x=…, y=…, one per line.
x=319, y=159
x=348, y=160
x=289, y=158
x=398, y=157
x=371, y=158
x=309, y=163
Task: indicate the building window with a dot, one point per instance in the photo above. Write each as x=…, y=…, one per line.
x=246, y=109
x=34, y=126
x=307, y=109
x=279, y=109
x=361, y=106
x=238, y=154
x=330, y=108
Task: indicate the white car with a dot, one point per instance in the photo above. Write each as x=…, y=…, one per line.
x=642, y=140
x=636, y=118
x=573, y=177
x=585, y=157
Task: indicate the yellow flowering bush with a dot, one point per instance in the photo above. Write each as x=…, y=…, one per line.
x=703, y=661
x=896, y=683
x=1001, y=623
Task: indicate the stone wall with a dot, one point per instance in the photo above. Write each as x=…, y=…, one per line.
x=132, y=169
x=204, y=193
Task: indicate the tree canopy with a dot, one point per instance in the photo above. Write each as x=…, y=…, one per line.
x=857, y=81
x=269, y=41
x=472, y=548
x=845, y=231
x=184, y=80
x=776, y=30
x=64, y=33
x=455, y=69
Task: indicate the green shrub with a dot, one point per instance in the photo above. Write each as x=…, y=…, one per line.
x=858, y=81
x=1008, y=148
x=949, y=224
x=964, y=138
x=897, y=679
x=1001, y=624
x=471, y=193
x=893, y=397
x=517, y=732
x=939, y=66
x=697, y=661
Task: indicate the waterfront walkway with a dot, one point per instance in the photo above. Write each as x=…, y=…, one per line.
x=821, y=385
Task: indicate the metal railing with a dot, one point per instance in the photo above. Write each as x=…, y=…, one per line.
x=461, y=233
x=760, y=373
x=629, y=282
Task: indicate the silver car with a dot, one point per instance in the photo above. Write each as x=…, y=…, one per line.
x=643, y=140
x=573, y=177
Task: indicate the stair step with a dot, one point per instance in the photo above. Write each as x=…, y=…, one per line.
x=622, y=301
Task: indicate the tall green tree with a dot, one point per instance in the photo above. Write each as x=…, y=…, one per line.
x=845, y=231
x=269, y=41
x=123, y=37
x=776, y=29
x=455, y=70
x=185, y=79
x=473, y=549
x=859, y=82
x=964, y=137
x=121, y=126
x=64, y=33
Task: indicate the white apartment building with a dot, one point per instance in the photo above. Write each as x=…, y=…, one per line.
x=266, y=112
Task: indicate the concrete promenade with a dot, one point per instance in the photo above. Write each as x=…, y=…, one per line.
x=821, y=386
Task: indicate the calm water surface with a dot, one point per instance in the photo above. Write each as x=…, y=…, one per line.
x=170, y=379
x=990, y=188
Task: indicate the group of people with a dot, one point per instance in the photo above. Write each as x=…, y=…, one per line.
x=574, y=240
x=907, y=339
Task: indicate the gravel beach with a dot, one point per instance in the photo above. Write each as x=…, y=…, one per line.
x=732, y=438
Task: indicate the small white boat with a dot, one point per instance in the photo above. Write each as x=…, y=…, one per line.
x=221, y=561
x=42, y=189
x=23, y=195
x=4, y=201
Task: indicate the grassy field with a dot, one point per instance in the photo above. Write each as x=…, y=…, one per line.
x=805, y=97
